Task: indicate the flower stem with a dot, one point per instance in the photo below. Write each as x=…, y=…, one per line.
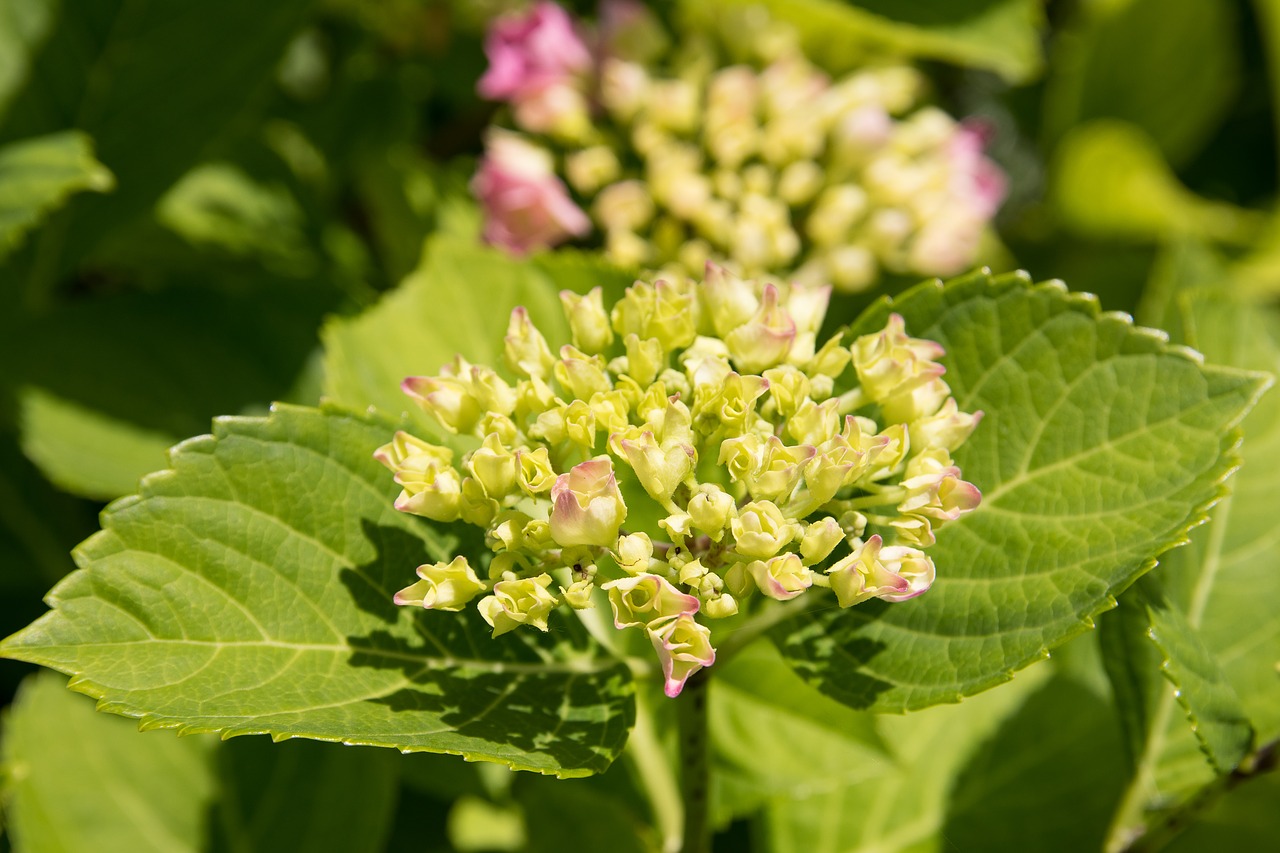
x=655, y=773
x=695, y=777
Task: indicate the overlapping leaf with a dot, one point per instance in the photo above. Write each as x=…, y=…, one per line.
x=1100, y=447
x=249, y=590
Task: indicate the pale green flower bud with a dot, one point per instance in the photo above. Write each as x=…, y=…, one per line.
x=611, y=410
x=784, y=577
x=447, y=399
x=732, y=402
x=578, y=594
x=695, y=253
x=720, y=607
x=913, y=529
x=830, y=361
x=780, y=470
x=711, y=509
x=591, y=168
x=947, y=429
x=895, y=445
x=404, y=447
x=677, y=525
x=692, y=572
x=537, y=535
x=506, y=533
x=820, y=539
x=727, y=299
x=627, y=249
x=443, y=586
x=664, y=310
x=500, y=426
x=765, y=339
x=624, y=86
x=534, y=473
x=475, y=506
x=673, y=104
x=625, y=206
x=742, y=456
x=645, y=598
x=800, y=182
x=684, y=647
x=494, y=467
x=533, y=397
x=761, y=530
x=851, y=268
x=658, y=468
x=506, y=564
x=588, y=321
x=889, y=362
x=644, y=358
x=835, y=213
x=895, y=573
x=788, y=388
x=580, y=374
x=491, y=392
x=815, y=423
x=588, y=507
x=518, y=602
x=580, y=424
x=526, y=351
x=430, y=486
x=633, y=552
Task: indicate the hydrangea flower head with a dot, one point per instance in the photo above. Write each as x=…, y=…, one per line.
x=692, y=454
x=762, y=162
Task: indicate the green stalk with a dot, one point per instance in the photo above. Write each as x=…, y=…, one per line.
x=695, y=776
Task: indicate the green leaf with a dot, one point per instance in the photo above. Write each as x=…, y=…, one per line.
x=98, y=408
x=1110, y=181
x=302, y=795
x=999, y=35
x=1211, y=704
x=974, y=776
x=139, y=77
x=1100, y=447
x=79, y=780
x=774, y=736
x=38, y=175
x=1116, y=62
x=1245, y=819
x=475, y=288
x=1223, y=584
x=24, y=24
x=248, y=590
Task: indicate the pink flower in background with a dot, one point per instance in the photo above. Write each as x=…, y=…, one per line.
x=525, y=205
x=531, y=52
x=979, y=180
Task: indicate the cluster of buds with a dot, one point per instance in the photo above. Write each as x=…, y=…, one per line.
x=768, y=167
x=690, y=453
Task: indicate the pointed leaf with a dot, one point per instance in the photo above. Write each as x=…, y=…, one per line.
x=38, y=175
x=79, y=780
x=1101, y=446
x=248, y=590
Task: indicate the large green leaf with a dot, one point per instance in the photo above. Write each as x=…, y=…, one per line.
x=78, y=780
x=999, y=35
x=153, y=83
x=1119, y=61
x=1222, y=586
x=303, y=795
x=38, y=175
x=458, y=301
x=248, y=590
x=1101, y=446
x=774, y=736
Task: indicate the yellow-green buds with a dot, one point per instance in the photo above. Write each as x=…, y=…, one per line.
x=684, y=647
x=587, y=506
x=518, y=602
x=444, y=586
x=643, y=599
x=693, y=456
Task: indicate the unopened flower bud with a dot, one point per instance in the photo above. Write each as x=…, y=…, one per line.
x=820, y=539
x=633, y=552
x=534, y=473
x=658, y=468
x=761, y=530
x=684, y=647
x=783, y=577
x=588, y=321
x=645, y=598
x=895, y=573
x=526, y=351
x=518, y=602
x=443, y=586
x=588, y=507
x=591, y=168
x=711, y=509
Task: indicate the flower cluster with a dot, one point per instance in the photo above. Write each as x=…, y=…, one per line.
x=770, y=167
x=690, y=452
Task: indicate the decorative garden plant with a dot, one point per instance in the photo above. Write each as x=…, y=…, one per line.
x=679, y=513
